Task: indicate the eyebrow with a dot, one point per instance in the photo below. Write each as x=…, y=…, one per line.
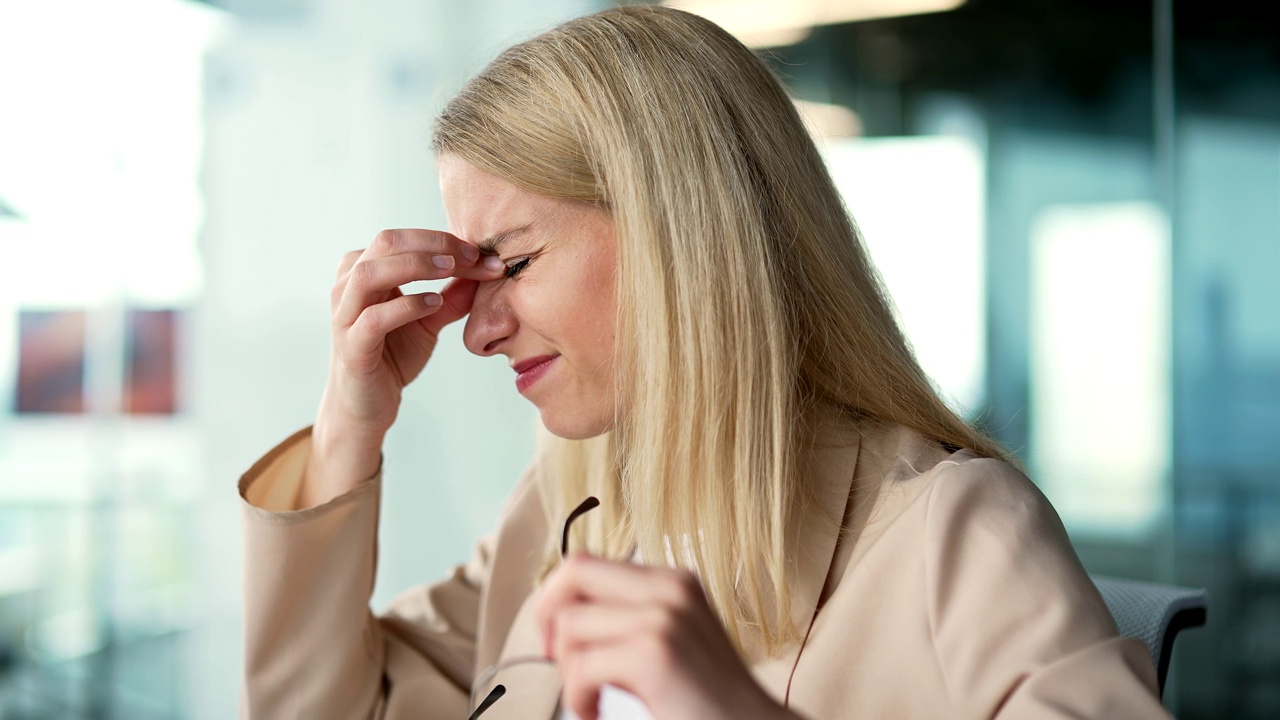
x=490, y=245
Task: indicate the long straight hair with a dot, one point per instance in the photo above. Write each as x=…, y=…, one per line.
x=745, y=297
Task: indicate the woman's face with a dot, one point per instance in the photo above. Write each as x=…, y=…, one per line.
x=553, y=316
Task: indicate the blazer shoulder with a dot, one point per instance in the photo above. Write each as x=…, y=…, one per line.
x=990, y=533
x=991, y=493
x=901, y=463
x=1016, y=620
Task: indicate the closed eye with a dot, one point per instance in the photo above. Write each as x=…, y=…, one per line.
x=516, y=267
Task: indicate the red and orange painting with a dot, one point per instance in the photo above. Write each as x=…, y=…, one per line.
x=51, y=359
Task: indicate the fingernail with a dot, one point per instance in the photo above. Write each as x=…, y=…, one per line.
x=432, y=299
x=444, y=262
x=493, y=262
x=470, y=252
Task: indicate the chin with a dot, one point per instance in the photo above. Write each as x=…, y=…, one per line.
x=572, y=426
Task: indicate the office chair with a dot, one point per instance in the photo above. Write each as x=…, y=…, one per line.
x=1154, y=614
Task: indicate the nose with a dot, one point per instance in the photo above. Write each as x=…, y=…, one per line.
x=491, y=321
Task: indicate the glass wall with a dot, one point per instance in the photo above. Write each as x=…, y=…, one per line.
x=1122, y=181
x=1074, y=203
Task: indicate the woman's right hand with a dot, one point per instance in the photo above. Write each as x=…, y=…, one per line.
x=382, y=339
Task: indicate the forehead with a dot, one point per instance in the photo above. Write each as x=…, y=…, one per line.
x=478, y=204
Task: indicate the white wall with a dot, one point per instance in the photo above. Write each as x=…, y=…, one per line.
x=317, y=138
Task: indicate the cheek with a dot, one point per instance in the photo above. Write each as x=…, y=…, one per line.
x=600, y=325
x=604, y=316
x=578, y=308
x=539, y=305
x=571, y=303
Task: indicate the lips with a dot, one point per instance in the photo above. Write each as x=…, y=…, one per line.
x=531, y=370
x=525, y=365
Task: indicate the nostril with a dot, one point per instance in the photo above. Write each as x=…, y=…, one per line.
x=492, y=347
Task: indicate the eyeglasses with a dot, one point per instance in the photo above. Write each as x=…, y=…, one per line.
x=483, y=679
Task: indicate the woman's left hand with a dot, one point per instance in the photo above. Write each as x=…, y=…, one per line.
x=648, y=631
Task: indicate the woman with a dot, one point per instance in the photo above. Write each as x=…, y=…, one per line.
x=791, y=524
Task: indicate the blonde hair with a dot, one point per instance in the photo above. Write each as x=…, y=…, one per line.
x=745, y=297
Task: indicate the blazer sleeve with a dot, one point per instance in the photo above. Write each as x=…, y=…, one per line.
x=313, y=649
x=1019, y=628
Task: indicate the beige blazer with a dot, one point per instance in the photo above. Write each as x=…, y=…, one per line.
x=955, y=594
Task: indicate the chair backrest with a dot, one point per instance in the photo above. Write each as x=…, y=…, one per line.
x=1154, y=614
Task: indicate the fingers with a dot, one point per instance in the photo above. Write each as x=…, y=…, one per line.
x=458, y=296
x=413, y=241
x=399, y=257
x=582, y=630
x=646, y=630
x=348, y=259
x=583, y=578
x=433, y=310
x=395, y=242
x=370, y=279
x=585, y=625
x=367, y=333
x=624, y=665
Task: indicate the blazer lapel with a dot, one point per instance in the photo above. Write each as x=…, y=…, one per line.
x=532, y=688
x=834, y=465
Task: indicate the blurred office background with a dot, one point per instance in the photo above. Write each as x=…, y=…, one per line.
x=1095, y=183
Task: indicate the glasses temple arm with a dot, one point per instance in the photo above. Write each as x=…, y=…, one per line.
x=497, y=692
x=590, y=503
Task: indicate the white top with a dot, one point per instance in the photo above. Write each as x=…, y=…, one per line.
x=615, y=704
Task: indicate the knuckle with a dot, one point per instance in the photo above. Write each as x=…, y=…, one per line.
x=574, y=562
x=384, y=241
x=439, y=241
x=348, y=259
x=666, y=625
x=568, y=618
x=420, y=265
x=369, y=323
x=685, y=587
x=362, y=274
x=690, y=582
